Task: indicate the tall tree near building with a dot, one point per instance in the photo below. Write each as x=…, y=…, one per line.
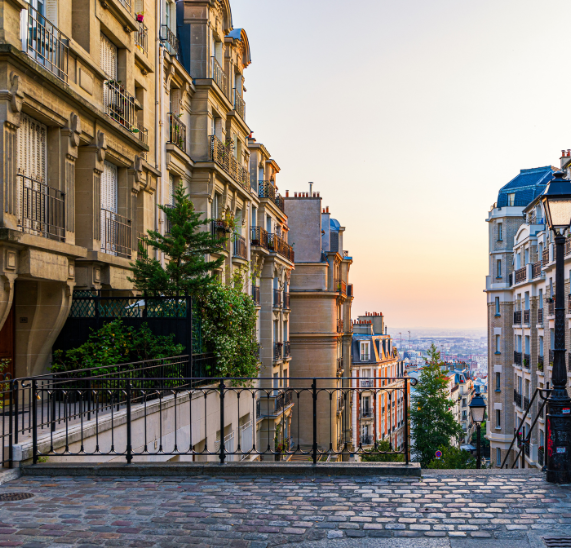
x=432, y=423
x=185, y=245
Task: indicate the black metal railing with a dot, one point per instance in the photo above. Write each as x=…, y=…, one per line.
x=526, y=316
x=536, y=270
x=286, y=300
x=142, y=38
x=277, y=298
x=278, y=349
x=46, y=44
x=239, y=104
x=540, y=457
x=223, y=156
x=551, y=357
x=168, y=37
x=517, y=398
x=287, y=349
x=551, y=306
x=280, y=246
x=349, y=290
x=115, y=235
x=280, y=202
x=119, y=104
x=526, y=361
x=240, y=248
x=545, y=257
x=521, y=275
x=266, y=189
x=517, y=358
x=540, y=363
x=366, y=440
x=525, y=403
x=256, y=295
x=517, y=316
x=366, y=413
x=41, y=209
x=540, y=315
x=219, y=76
x=259, y=237
x=177, y=131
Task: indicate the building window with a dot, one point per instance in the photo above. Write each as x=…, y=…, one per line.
x=365, y=355
x=498, y=457
x=109, y=179
x=499, y=268
x=498, y=382
x=511, y=200
x=497, y=301
x=498, y=418
x=500, y=232
x=497, y=344
x=541, y=346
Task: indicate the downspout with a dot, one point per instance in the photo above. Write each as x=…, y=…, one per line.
x=159, y=120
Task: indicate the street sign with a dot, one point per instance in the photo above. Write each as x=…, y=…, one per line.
x=438, y=454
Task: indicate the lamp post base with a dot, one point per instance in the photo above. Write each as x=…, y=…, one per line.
x=559, y=438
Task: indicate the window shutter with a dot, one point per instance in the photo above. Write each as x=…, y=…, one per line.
x=108, y=57
x=51, y=11
x=32, y=148
x=170, y=199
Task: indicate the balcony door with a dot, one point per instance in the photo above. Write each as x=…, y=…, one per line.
x=109, y=209
x=111, y=88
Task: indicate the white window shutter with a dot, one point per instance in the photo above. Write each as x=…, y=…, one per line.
x=51, y=11
x=108, y=57
x=32, y=157
x=171, y=190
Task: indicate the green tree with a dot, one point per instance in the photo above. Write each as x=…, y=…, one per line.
x=372, y=455
x=432, y=423
x=185, y=245
x=453, y=458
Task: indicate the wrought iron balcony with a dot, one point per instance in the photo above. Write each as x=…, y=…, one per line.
x=280, y=202
x=525, y=403
x=259, y=237
x=517, y=358
x=223, y=156
x=115, y=234
x=168, y=37
x=126, y=4
x=219, y=76
x=366, y=413
x=545, y=257
x=551, y=357
x=540, y=457
x=287, y=349
x=367, y=383
x=341, y=287
x=278, y=349
x=46, y=44
x=540, y=363
x=119, y=104
x=177, y=131
x=340, y=326
x=240, y=248
x=142, y=38
x=282, y=399
x=521, y=275
x=266, y=189
x=526, y=361
x=349, y=290
x=526, y=316
x=286, y=300
x=551, y=307
x=536, y=270
x=256, y=295
x=239, y=104
x=143, y=134
x=277, y=298
x=366, y=440
x=517, y=398
x=517, y=316
x=540, y=315
x=279, y=245
x=42, y=209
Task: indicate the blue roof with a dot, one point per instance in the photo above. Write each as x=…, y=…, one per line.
x=236, y=34
x=526, y=186
x=334, y=225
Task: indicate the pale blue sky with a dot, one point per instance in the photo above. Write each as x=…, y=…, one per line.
x=408, y=116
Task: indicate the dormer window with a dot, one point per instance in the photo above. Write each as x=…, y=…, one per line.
x=511, y=199
x=365, y=351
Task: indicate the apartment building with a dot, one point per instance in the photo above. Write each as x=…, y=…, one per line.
x=320, y=325
x=520, y=291
x=79, y=171
x=377, y=410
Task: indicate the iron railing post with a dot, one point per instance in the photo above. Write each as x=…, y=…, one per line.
x=478, y=455
x=10, y=431
x=34, y=423
x=129, y=441
x=15, y=411
x=314, y=394
x=222, y=448
x=406, y=449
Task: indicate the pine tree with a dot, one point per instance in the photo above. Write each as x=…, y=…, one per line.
x=432, y=423
x=185, y=245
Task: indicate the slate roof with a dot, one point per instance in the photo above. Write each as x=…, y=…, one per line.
x=526, y=186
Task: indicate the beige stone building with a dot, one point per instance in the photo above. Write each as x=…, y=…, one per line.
x=320, y=326
x=79, y=169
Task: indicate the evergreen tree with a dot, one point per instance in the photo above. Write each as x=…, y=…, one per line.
x=185, y=245
x=432, y=423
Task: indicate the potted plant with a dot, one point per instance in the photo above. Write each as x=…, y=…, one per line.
x=140, y=16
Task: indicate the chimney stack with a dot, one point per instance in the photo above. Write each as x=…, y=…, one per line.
x=310, y=189
x=287, y=193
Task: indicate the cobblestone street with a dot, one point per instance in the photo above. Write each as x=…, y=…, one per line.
x=439, y=510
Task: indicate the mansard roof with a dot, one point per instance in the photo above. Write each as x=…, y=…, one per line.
x=526, y=186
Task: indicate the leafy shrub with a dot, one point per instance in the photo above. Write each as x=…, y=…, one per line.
x=372, y=455
x=453, y=458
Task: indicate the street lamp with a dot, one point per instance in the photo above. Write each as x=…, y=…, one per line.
x=477, y=410
x=556, y=202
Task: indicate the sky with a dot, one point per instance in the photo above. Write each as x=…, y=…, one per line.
x=409, y=116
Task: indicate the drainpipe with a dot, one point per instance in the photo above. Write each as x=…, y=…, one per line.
x=158, y=76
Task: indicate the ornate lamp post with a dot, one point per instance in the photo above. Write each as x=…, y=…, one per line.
x=556, y=201
x=477, y=410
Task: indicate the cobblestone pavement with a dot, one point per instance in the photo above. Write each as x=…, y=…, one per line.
x=255, y=512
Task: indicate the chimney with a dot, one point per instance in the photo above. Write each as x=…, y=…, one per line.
x=287, y=193
x=310, y=189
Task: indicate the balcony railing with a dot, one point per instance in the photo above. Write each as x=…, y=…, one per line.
x=340, y=326
x=267, y=190
x=545, y=257
x=526, y=316
x=169, y=38
x=551, y=307
x=536, y=270
x=142, y=38
x=540, y=315
x=219, y=76
x=119, y=104
x=551, y=357
x=526, y=361
x=259, y=237
x=223, y=156
x=278, y=348
x=41, y=209
x=279, y=245
x=286, y=300
x=287, y=349
x=240, y=248
x=342, y=287
x=280, y=202
x=517, y=398
x=517, y=316
x=115, y=234
x=126, y=4
x=366, y=440
x=277, y=298
x=525, y=403
x=521, y=275
x=517, y=358
x=540, y=363
x=239, y=104
x=367, y=383
x=46, y=44
x=540, y=457
x=177, y=131
x=256, y=295
x=367, y=413
x=143, y=134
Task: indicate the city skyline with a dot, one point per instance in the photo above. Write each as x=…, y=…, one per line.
x=415, y=190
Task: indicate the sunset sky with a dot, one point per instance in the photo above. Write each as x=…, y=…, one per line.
x=409, y=116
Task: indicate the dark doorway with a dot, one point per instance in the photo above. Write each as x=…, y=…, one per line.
x=7, y=341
